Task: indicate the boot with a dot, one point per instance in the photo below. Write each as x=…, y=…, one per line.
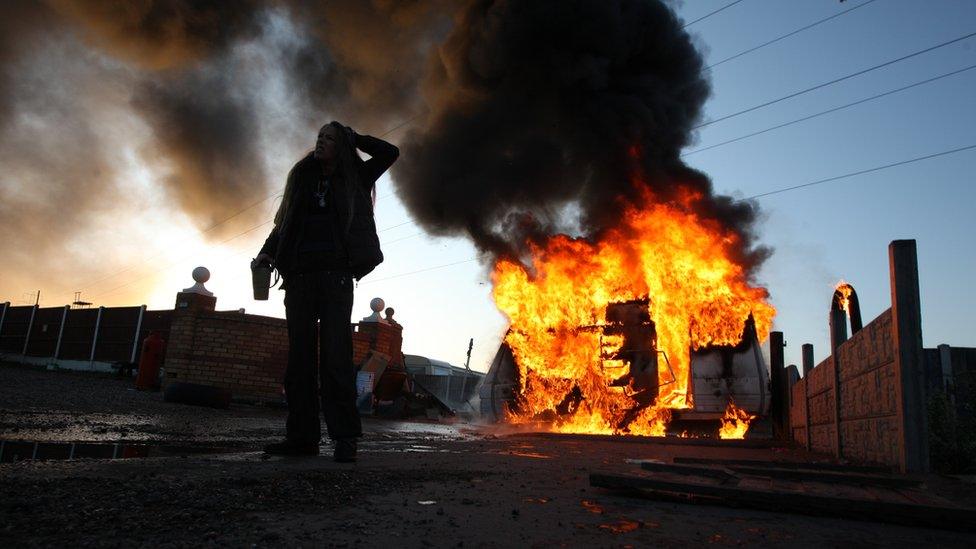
x=345, y=450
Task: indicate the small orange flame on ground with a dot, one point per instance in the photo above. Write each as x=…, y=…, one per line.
x=699, y=296
x=735, y=423
x=845, y=291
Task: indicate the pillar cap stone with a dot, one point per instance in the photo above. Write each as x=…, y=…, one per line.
x=200, y=276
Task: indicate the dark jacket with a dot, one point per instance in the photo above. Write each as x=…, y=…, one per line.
x=358, y=235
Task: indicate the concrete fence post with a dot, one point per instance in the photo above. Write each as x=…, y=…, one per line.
x=98, y=323
x=838, y=335
x=948, y=382
x=906, y=314
x=135, y=338
x=807, y=358
x=57, y=347
x=779, y=407
x=807, y=368
x=30, y=326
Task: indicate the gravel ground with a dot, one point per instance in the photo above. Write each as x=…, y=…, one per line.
x=415, y=485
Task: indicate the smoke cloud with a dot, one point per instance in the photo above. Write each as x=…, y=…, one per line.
x=539, y=106
x=530, y=110
x=214, y=98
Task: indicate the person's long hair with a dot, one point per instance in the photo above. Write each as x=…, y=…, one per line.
x=346, y=174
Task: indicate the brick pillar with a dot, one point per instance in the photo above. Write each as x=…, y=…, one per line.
x=192, y=302
x=906, y=314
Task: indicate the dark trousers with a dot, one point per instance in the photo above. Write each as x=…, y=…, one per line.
x=325, y=297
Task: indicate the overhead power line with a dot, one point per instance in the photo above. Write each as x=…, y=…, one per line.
x=407, y=222
x=787, y=35
x=182, y=259
x=403, y=238
x=421, y=270
x=707, y=15
x=828, y=111
x=862, y=172
x=834, y=81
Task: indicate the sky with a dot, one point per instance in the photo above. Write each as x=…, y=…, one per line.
x=137, y=247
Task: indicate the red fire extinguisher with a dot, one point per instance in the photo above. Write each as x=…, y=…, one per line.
x=150, y=361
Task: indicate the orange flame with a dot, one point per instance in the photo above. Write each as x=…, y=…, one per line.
x=845, y=291
x=735, y=423
x=699, y=296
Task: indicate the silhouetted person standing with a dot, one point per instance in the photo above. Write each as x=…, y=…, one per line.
x=325, y=237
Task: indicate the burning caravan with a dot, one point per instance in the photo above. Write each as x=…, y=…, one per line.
x=720, y=375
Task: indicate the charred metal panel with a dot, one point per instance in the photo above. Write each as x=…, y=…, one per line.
x=719, y=374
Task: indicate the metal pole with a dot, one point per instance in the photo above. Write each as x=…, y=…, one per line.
x=64, y=317
x=467, y=363
x=30, y=326
x=98, y=322
x=3, y=315
x=135, y=339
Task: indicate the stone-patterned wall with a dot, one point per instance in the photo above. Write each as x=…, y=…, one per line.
x=869, y=396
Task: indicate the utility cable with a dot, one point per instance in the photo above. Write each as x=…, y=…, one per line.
x=861, y=172
x=834, y=81
x=182, y=259
x=707, y=15
x=828, y=111
x=421, y=270
x=407, y=222
x=787, y=35
x=403, y=238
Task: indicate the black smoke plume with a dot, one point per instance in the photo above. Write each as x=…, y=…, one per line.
x=543, y=105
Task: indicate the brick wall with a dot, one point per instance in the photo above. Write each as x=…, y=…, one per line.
x=385, y=338
x=246, y=354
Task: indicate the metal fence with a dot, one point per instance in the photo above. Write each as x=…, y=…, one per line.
x=105, y=334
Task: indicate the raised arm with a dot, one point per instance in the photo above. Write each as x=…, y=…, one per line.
x=382, y=156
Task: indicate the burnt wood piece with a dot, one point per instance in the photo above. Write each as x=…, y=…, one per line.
x=711, y=472
x=931, y=516
x=810, y=466
x=667, y=441
x=827, y=476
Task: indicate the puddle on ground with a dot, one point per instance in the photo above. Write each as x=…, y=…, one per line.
x=20, y=450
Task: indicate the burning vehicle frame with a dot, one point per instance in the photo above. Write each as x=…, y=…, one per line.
x=729, y=382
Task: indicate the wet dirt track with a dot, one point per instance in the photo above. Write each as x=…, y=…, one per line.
x=416, y=484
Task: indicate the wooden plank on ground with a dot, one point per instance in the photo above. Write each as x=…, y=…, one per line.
x=810, y=466
x=826, y=476
x=693, y=470
x=944, y=517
